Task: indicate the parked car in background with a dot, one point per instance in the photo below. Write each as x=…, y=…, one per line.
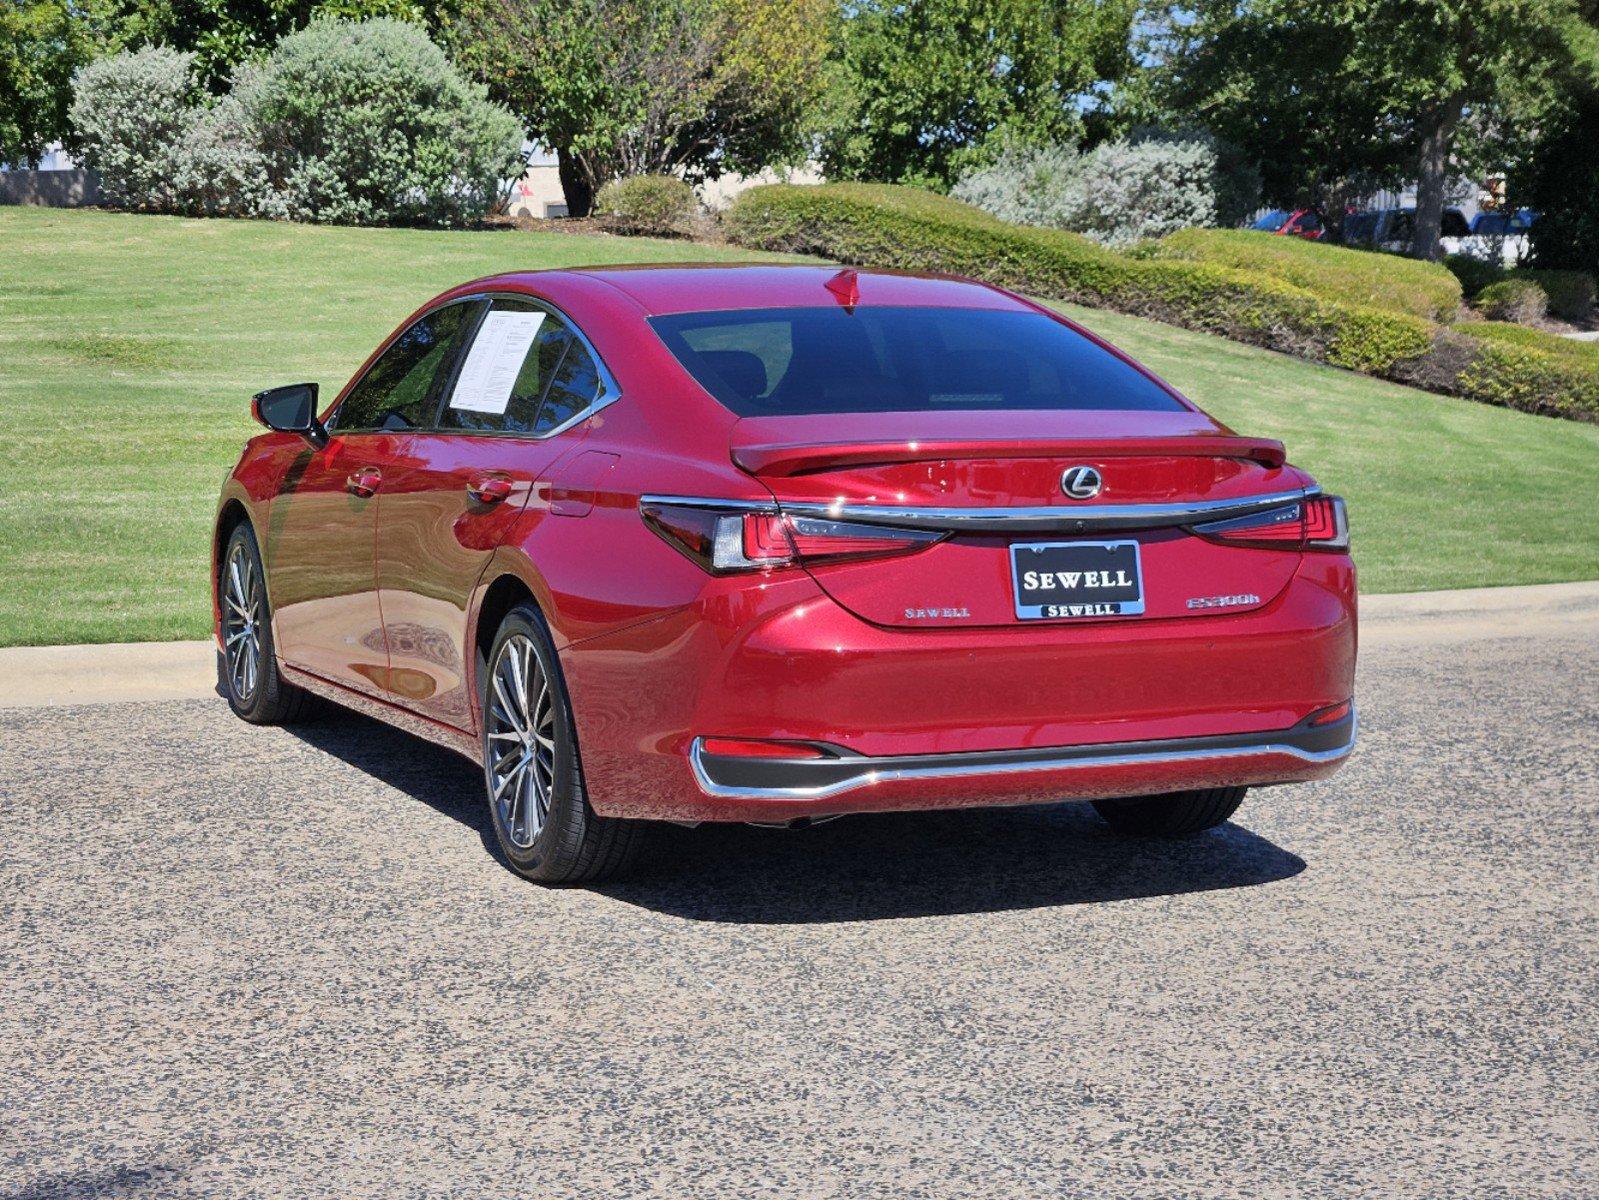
x=775, y=543
x=1500, y=236
x=1393, y=229
x=1301, y=222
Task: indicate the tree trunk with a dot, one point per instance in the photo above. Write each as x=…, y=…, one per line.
x=1437, y=142
x=575, y=185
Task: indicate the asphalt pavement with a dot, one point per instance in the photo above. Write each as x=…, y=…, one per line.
x=273, y=962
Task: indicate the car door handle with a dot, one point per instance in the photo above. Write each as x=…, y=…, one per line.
x=364, y=482
x=490, y=489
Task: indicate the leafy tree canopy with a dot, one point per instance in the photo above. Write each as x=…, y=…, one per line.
x=223, y=33
x=1334, y=97
x=634, y=87
x=41, y=43
x=921, y=89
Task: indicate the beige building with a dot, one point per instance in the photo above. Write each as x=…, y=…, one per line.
x=538, y=192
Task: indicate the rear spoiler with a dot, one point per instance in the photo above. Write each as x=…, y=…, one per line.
x=778, y=460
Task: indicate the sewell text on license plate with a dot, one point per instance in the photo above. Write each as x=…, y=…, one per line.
x=1053, y=580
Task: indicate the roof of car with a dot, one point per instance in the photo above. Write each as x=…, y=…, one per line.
x=701, y=287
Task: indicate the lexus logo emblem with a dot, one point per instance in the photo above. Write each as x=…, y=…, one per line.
x=1081, y=483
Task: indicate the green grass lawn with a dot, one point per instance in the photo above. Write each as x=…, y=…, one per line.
x=129, y=347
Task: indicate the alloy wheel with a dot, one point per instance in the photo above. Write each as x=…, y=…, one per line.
x=521, y=741
x=241, y=624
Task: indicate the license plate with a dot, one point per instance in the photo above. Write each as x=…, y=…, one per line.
x=1052, y=580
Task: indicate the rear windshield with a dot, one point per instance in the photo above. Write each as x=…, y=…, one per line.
x=794, y=361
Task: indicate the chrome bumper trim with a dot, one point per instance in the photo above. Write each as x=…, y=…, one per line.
x=1071, y=758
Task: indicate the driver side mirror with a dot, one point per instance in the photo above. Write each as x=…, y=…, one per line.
x=290, y=409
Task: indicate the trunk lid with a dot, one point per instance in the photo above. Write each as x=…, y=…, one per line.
x=994, y=481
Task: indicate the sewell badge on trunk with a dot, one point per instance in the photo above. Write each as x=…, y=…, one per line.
x=1053, y=580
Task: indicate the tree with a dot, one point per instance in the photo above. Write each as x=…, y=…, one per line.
x=1558, y=176
x=921, y=89
x=1436, y=61
x=223, y=33
x=1278, y=89
x=635, y=87
x=41, y=43
x=1335, y=97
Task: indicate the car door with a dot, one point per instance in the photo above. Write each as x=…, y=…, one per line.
x=512, y=409
x=322, y=525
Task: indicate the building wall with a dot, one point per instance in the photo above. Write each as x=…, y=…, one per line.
x=50, y=189
x=538, y=192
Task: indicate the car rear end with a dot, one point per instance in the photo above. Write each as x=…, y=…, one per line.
x=990, y=561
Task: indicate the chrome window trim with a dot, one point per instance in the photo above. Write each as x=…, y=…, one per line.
x=954, y=771
x=1068, y=518
x=331, y=421
x=610, y=390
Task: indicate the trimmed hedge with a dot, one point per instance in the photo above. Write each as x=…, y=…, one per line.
x=1532, y=379
x=1532, y=339
x=1388, y=281
x=889, y=225
x=1571, y=293
x=885, y=225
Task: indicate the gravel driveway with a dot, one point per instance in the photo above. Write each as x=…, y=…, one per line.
x=262, y=962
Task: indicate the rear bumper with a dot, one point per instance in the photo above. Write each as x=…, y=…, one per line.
x=816, y=779
x=921, y=719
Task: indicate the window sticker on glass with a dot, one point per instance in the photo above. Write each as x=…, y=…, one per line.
x=496, y=357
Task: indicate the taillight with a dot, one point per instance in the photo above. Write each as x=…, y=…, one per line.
x=726, y=539
x=1315, y=524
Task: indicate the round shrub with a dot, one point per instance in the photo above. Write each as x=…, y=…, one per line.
x=1519, y=300
x=658, y=205
x=1119, y=192
x=131, y=110
x=217, y=168
x=1571, y=293
x=369, y=123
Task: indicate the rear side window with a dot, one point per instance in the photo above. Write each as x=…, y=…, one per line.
x=400, y=391
x=829, y=360
x=527, y=372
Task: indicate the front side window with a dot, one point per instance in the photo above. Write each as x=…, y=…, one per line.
x=796, y=361
x=527, y=372
x=400, y=391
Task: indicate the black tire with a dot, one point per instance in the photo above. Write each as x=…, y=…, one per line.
x=260, y=694
x=1171, y=815
x=569, y=842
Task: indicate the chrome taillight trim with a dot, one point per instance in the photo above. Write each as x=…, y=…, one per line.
x=1074, y=518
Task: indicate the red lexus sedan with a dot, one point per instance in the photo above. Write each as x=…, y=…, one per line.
x=775, y=543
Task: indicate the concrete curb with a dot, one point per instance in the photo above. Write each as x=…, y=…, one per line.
x=52, y=676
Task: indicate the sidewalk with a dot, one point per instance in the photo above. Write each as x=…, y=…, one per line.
x=45, y=676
